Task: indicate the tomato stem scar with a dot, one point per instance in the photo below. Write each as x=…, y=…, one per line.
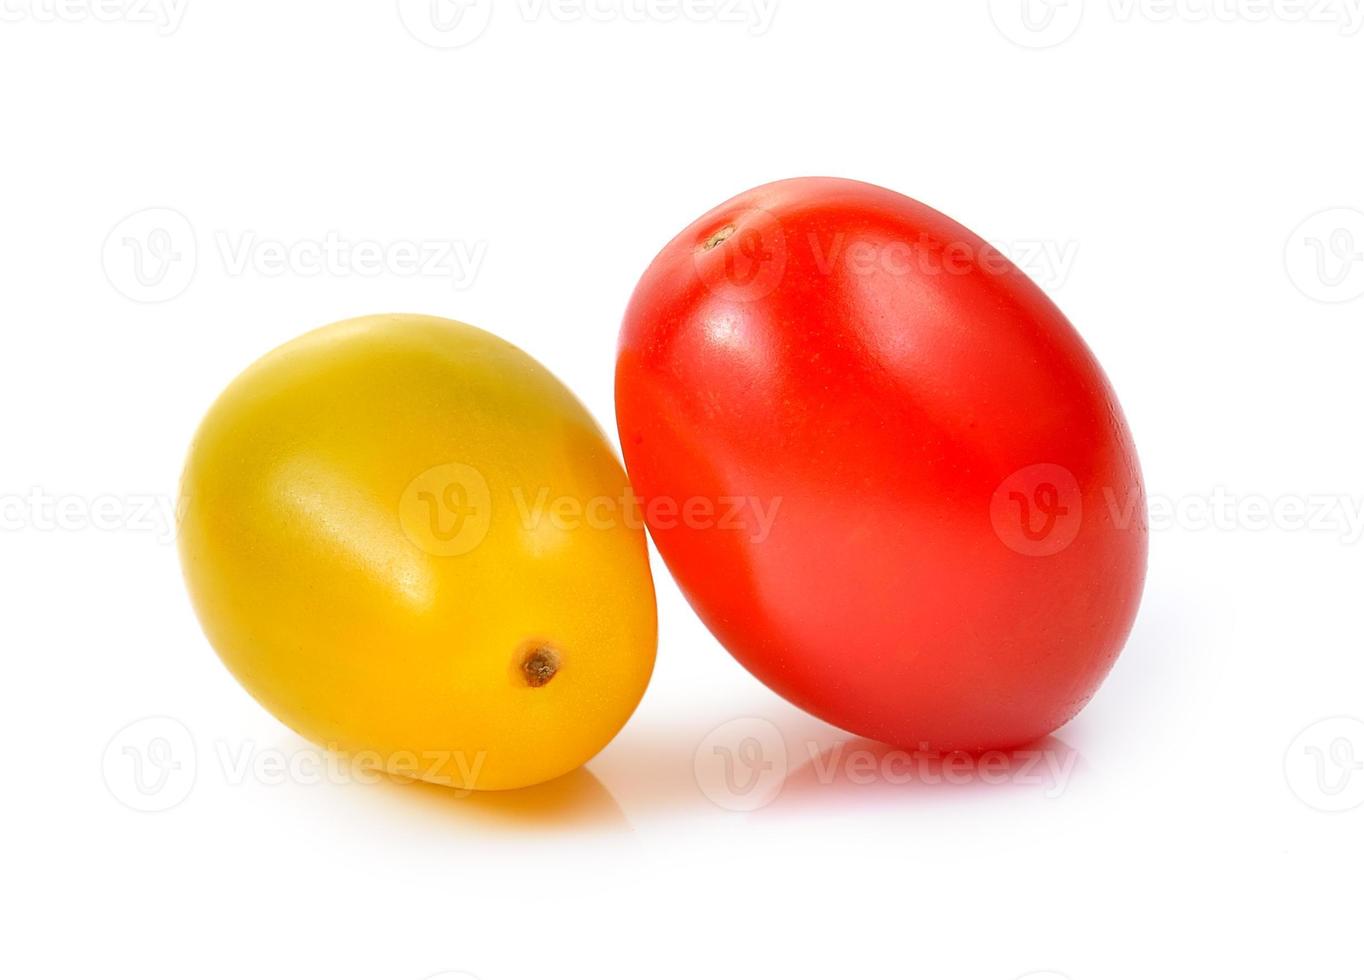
x=539, y=666
x=717, y=238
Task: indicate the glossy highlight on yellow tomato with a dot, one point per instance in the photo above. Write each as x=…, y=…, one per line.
x=376, y=541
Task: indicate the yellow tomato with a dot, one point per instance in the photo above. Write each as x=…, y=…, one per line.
x=411, y=543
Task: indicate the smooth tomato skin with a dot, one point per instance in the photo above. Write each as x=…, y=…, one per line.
x=960, y=538
x=362, y=544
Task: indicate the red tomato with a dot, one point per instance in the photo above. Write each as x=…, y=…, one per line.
x=882, y=465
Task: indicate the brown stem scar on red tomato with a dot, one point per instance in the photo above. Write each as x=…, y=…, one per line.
x=718, y=238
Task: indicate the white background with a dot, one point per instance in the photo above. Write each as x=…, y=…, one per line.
x=1157, y=167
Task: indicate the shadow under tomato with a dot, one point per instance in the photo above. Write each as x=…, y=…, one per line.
x=577, y=801
x=653, y=768
x=859, y=771
x=653, y=772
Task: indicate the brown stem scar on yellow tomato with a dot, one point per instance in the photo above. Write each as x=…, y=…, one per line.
x=371, y=542
x=539, y=665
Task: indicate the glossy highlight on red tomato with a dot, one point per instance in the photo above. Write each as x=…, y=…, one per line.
x=957, y=537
